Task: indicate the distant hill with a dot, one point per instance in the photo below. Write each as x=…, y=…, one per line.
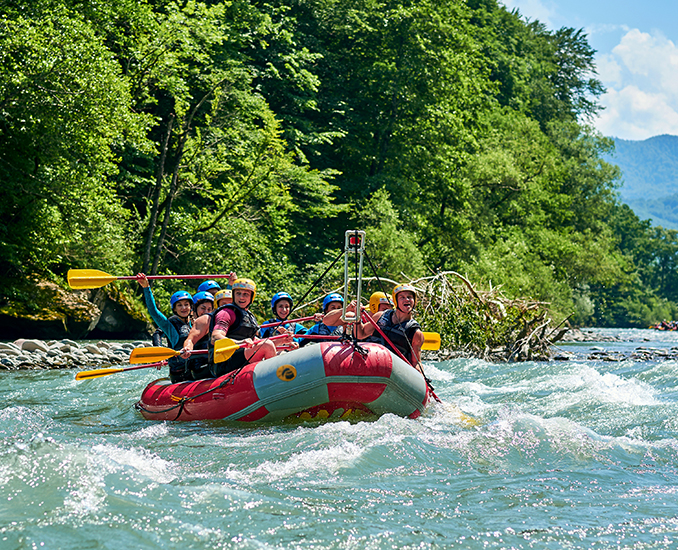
x=650, y=177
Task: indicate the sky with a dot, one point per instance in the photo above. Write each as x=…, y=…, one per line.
x=637, y=58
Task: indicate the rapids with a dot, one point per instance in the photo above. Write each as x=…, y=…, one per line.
x=566, y=454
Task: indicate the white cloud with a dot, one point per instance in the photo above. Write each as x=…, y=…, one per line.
x=609, y=70
x=632, y=113
x=641, y=75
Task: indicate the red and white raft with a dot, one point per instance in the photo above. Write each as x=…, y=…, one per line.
x=319, y=381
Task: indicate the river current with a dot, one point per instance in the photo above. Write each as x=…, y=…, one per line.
x=566, y=454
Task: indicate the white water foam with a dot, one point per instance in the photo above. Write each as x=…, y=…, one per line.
x=140, y=461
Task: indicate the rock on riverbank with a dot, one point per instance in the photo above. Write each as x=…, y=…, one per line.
x=44, y=310
x=63, y=354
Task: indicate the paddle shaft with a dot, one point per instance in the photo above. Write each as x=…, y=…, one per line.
x=154, y=277
x=97, y=373
x=141, y=355
x=267, y=325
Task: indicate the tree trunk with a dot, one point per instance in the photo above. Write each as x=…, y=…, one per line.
x=159, y=176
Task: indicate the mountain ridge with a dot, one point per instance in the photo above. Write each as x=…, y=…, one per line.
x=649, y=177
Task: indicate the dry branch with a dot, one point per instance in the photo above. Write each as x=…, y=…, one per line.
x=485, y=323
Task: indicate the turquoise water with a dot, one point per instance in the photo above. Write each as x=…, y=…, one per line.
x=576, y=454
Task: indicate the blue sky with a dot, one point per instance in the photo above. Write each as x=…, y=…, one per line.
x=637, y=58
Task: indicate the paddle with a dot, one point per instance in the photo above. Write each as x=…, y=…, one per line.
x=93, y=278
x=144, y=355
x=225, y=348
x=378, y=329
x=431, y=341
x=267, y=325
x=87, y=374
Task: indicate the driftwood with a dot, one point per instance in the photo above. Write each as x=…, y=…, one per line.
x=484, y=323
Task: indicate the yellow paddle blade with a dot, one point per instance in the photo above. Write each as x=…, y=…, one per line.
x=431, y=341
x=151, y=355
x=84, y=375
x=463, y=419
x=88, y=278
x=224, y=349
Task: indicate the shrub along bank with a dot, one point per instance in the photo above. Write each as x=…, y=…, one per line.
x=197, y=137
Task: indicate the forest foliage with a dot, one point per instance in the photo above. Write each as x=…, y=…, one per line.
x=210, y=136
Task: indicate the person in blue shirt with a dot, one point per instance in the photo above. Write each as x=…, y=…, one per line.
x=176, y=327
x=331, y=302
x=281, y=305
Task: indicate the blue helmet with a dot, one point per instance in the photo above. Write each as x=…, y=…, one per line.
x=334, y=297
x=281, y=296
x=179, y=295
x=208, y=285
x=202, y=296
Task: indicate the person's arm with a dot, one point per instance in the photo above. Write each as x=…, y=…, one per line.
x=224, y=319
x=417, y=343
x=365, y=330
x=231, y=279
x=333, y=318
x=158, y=318
x=199, y=329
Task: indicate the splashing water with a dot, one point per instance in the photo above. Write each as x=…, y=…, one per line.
x=578, y=454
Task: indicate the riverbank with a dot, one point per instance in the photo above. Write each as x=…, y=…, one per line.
x=28, y=354
x=24, y=354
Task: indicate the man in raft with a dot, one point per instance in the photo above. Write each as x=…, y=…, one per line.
x=397, y=324
x=236, y=322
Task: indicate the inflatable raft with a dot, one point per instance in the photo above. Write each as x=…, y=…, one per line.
x=326, y=380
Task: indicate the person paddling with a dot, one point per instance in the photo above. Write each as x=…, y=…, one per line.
x=198, y=365
x=281, y=305
x=397, y=324
x=331, y=302
x=236, y=322
x=176, y=328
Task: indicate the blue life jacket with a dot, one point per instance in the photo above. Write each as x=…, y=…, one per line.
x=176, y=364
x=323, y=330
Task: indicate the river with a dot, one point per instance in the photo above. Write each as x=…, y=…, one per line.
x=567, y=454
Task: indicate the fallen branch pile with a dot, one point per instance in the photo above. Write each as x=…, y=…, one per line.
x=484, y=323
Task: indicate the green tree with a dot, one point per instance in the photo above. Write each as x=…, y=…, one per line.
x=64, y=106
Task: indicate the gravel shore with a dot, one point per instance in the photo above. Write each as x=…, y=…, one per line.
x=63, y=354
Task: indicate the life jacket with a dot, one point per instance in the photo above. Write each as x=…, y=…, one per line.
x=245, y=326
x=267, y=332
x=400, y=334
x=323, y=330
x=198, y=365
x=177, y=364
